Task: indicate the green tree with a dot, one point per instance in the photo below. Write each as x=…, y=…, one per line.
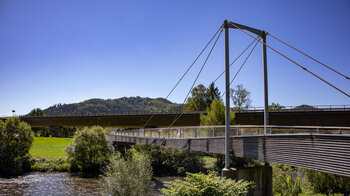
x=130, y=176
x=202, y=97
x=216, y=114
x=197, y=102
x=328, y=183
x=16, y=138
x=276, y=106
x=240, y=97
x=212, y=93
x=286, y=181
x=201, y=184
x=89, y=151
x=39, y=131
x=36, y=112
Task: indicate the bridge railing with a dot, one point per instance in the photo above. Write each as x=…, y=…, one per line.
x=236, y=130
x=302, y=108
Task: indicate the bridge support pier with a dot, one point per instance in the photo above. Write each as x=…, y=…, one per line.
x=262, y=176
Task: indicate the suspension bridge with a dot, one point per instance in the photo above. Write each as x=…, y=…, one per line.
x=322, y=148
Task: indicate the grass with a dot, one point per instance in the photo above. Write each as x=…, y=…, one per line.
x=209, y=162
x=49, y=147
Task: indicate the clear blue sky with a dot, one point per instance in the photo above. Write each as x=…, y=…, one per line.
x=64, y=51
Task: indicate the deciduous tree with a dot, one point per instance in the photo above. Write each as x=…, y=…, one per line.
x=16, y=138
x=240, y=97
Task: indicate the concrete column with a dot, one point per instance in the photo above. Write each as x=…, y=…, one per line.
x=262, y=176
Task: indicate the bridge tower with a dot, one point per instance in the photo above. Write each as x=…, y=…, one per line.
x=262, y=34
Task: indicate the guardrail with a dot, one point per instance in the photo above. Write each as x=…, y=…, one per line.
x=250, y=109
x=236, y=130
x=301, y=108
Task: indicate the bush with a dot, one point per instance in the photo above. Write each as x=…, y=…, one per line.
x=132, y=176
x=172, y=160
x=16, y=138
x=201, y=184
x=89, y=152
x=287, y=181
x=326, y=183
x=48, y=165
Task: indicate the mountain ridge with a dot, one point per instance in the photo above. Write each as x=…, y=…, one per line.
x=98, y=106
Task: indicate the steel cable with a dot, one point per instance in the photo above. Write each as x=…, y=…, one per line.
x=310, y=57
x=196, y=79
x=242, y=66
x=185, y=73
x=236, y=59
x=293, y=62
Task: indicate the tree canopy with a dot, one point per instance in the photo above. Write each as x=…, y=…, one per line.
x=113, y=106
x=36, y=112
x=16, y=138
x=216, y=114
x=202, y=97
x=240, y=97
x=275, y=106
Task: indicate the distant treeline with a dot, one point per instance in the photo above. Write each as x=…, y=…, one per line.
x=112, y=106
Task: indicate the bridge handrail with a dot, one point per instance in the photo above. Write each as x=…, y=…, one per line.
x=214, y=131
x=251, y=109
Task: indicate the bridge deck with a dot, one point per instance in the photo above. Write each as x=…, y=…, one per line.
x=323, y=152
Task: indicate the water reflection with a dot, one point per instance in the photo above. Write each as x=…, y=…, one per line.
x=51, y=184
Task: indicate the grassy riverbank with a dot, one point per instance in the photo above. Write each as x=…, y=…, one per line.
x=49, y=147
x=48, y=154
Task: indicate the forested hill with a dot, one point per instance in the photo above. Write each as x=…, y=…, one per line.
x=113, y=106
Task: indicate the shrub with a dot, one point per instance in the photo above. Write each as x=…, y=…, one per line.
x=48, y=165
x=130, y=176
x=89, y=151
x=287, y=181
x=16, y=138
x=201, y=184
x=172, y=160
x=326, y=183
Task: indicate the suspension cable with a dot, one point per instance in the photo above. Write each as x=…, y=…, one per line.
x=178, y=82
x=310, y=57
x=196, y=79
x=236, y=59
x=242, y=66
x=293, y=61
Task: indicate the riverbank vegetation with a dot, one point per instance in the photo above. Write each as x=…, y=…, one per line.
x=89, y=152
x=171, y=161
x=130, y=174
x=49, y=147
x=48, y=154
x=210, y=184
x=49, y=165
x=296, y=181
x=16, y=138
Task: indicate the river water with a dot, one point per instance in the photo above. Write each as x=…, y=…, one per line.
x=51, y=184
x=61, y=184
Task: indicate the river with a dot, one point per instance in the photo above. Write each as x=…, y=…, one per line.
x=61, y=184
x=51, y=184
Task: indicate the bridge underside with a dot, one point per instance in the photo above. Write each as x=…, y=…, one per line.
x=322, y=152
x=291, y=118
